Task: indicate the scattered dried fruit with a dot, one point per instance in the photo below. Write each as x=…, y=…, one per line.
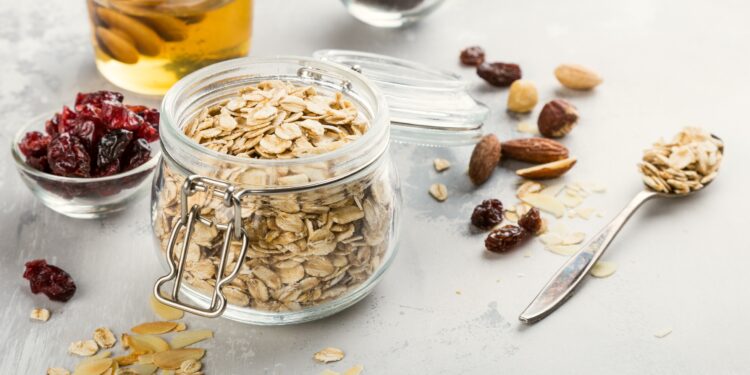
x=441, y=164
x=505, y=238
x=487, y=214
x=522, y=96
x=472, y=56
x=531, y=221
x=329, y=355
x=548, y=170
x=499, y=74
x=104, y=337
x=55, y=283
x=603, y=269
x=484, y=159
x=39, y=314
x=577, y=77
x=83, y=348
x=534, y=150
x=439, y=192
x=557, y=118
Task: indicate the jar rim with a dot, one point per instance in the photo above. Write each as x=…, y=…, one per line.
x=170, y=108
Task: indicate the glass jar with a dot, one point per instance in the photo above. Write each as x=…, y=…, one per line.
x=293, y=240
x=145, y=46
x=390, y=13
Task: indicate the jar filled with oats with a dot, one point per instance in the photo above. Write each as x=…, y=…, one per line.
x=276, y=201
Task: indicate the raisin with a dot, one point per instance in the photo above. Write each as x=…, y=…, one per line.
x=98, y=97
x=34, y=144
x=139, y=153
x=55, y=283
x=86, y=133
x=39, y=163
x=499, y=74
x=68, y=157
x=112, y=146
x=505, y=238
x=531, y=221
x=488, y=214
x=472, y=56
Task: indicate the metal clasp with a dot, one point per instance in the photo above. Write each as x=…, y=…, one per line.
x=232, y=230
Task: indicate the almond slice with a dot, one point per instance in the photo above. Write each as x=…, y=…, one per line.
x=172, y=359
x=104, y=337
x=603, y=269
x=126, y=360
x=356, y=370
x=565, y=250
x=145, y=344
x=574, y=238
x=84, y=348
x=662, y=333
x=165, y=312
x=143, y=369
x=145, y=359
x=545, y=203
x=180, y=327
x=40, y=314
x=95, y=367
x=329, y=355
x=154, y=328
x=549, y=170
x=187, y=338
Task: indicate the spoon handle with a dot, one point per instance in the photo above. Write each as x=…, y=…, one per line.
x=566, y=280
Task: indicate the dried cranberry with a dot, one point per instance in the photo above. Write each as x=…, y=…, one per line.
x=52, y=125
x=68, y=119
x=505, y=238
x=531, y=221
x=112, y=146
x=149, y=133
x=39, y=163
x=98, y=97
x=34, y=144
x=472, y=56
x=139, y=153
x=499, y=74
x=68, y=157
x=55, y=283
x=119, y=117
x=488, y=214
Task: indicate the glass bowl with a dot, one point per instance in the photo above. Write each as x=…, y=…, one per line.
x=390, y=13
x=82, y=198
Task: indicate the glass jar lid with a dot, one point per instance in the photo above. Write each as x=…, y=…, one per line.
x=427, y=106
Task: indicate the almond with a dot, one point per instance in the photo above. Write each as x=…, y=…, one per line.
x=577, y=77
x=484, y=159
x=534, y=150
x=557, y=118
x=549, y=170
x=147, y=41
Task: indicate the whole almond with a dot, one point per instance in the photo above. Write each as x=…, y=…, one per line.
x=577, y=77
x=534, y=150
x=484, y=159
x=147, y=41
x=549, y=170
x=557, y=118
x=116, y=46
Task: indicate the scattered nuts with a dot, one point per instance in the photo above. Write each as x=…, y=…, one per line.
x=104, y=337
x=484, y=158
x=662, y=333
x=545, y=203
x=534, y=150
x=441, y=164
x=603, y=269
x=557, y=118
x=499, y=74
x=84, y=348
x=57, y=371
x=548, y=170
x=472, y=56
x=40, y=314
x=439, y=192
x=329, y=355
x=577, y=77
x=522, y=96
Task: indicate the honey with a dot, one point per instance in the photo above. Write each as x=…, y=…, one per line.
x=145, y=46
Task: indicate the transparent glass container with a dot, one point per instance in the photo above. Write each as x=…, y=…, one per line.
x=288, y=249
x=390, y=13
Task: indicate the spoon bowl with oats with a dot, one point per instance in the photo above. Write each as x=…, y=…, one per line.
x=673, y=169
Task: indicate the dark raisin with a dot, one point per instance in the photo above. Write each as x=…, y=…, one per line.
x=488, y=214
x=499, y=74
x=139, y=153
x=99, y=97
x=55, y=283
x=531, y=221
x=68, y=157
x=472, y=56
x=34, y=144
x=112, y=146
x=39, y=163
x=505, y=238
x=110, y=169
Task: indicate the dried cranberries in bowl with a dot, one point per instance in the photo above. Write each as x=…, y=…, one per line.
x=99, y=136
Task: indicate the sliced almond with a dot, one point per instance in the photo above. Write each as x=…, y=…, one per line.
x=439, y=192
x=127, y=360
x=603, y=269
x=144, y=344
x=662, y=333
x=104, y=337
x=570, y=200
x=142, y=369
x=329, y=355
x=187, y=338
x=585, y=213
x=145, y=359
x=83, y=348
x=172, y=359
x=573, y=238
x=545, y=203
x=180, y=327
x=528, y=187
x=57, y=371
x=329, y=372
x=165, y=312
x=95, y=367
x=552, y=190
x=154, y=328
x=551, y=238
x=40, y=314
x=356, y=370
x=548, y=170
x=190, y=366
x=441, y=164
x=563, y=249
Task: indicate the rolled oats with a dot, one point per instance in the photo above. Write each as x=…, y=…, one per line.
x=83, y=348
x=104, y=337
x=40, y=314
x=439, y=192
x=304, y=248
x=687, y=163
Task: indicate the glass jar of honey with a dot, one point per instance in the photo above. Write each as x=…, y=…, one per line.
x=145, y=46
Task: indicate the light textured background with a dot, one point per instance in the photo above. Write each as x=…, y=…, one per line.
x=682, y=264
